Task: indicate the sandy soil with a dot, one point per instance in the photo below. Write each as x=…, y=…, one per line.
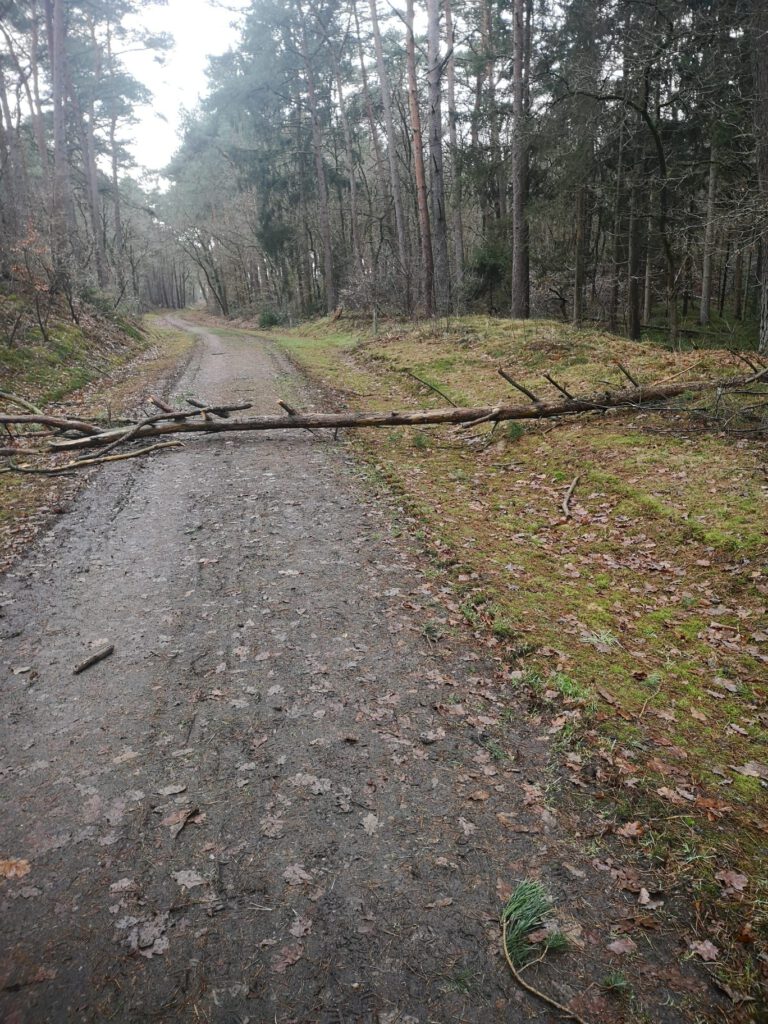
x=347, y=837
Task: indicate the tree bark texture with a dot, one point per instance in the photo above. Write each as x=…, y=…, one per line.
x=520, y=271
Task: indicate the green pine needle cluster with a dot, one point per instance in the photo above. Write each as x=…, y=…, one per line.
x=525, y=911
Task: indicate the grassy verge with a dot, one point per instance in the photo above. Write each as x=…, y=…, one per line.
x=635, y=628
x=92, y=371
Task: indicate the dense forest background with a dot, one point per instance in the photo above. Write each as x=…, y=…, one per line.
x=602, y=161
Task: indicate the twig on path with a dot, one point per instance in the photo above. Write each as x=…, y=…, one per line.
x=571, y=1014
x=126, y=455
x=568, y=495
x=162, y=406
x=95, y=658
x=82, y=463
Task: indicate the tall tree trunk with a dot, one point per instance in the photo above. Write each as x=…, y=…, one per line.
x=116, y=198
x=94, y=205
x=760, y=51
x=350, y=160
x=394, y=178
x=38, y=118
x=62, y=205
x=578, y=275
x=520, y=270
x=322, y=184
x=436, y=170
x=477, y=117
x=633, y=267
x=13, y=170
x=648, y=277
x=456, y=204
x=724, y=276
x=738, y=280
x=427, y=268
x=709, y=238
x=613, y=299
x=381, y=178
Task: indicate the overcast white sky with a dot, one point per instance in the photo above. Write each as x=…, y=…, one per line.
x=199, y=28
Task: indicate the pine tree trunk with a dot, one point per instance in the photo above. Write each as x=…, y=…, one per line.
x=724, y=276
x=38, y=118
x=394, y=179
x=92, y=182
x=520, y=271
x=760, y=44
x=648, y=279
x=12, y=184
x=329, y=282
x=381, y=178
x=613, y=302
x=436, y=169
x=633, y=268
x=738, y=280
x=709, y=237
x=456, y=205
x=116, y=203
x=350, y=160
x=62, y=207
x=578, y=275
x=427, y=268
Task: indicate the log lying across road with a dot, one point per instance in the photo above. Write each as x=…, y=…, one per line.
x=467, y=416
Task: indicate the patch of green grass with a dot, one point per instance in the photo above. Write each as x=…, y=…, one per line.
x=513, y=430
x=568, y=687
x=463, y=981
x=496, y=752
x=616, y=983
x=433, y=632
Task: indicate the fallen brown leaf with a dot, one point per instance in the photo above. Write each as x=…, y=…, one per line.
x=622, y=946
x=631, y=830
x=14, y=868
x=705, y=949
x=287, y=956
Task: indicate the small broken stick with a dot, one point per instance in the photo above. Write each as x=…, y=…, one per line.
x=95, y=658
x=568, y=495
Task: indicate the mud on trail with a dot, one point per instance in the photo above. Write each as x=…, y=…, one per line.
x=278, y=800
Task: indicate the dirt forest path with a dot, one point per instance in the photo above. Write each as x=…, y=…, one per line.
x=276, y=800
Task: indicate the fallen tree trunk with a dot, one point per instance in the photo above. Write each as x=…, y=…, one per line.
x=420, y=417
